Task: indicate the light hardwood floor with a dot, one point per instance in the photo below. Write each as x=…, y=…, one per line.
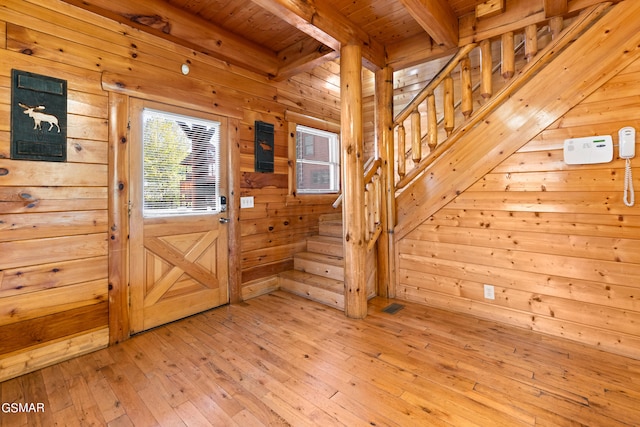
x=281, y=360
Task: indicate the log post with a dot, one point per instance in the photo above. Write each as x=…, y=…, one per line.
x=368, y=210
x=555, y=26
x=377, y=199
x=530, y=41
x=235, y=238
x=119, y=325
x=467, y=87
x=432, y=122
x=384, y=137
x=449, y=105
x=486, y=68
x=508, y=56
x=355, y=247
x=402, y=150
x=416, y=137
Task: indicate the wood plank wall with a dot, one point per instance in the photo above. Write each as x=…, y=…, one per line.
x=556, y=241
x=54, y=217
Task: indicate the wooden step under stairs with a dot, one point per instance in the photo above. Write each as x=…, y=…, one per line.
x=318, y=272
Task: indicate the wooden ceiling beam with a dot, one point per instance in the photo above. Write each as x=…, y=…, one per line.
x=555, y=7
x=321, y=20
x=303, y=56
x=181, y=27
x=489, y=8
x=517, y=15
x=414, y=50
x=437, y=18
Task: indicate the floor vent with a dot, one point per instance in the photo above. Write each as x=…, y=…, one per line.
x=393, y=308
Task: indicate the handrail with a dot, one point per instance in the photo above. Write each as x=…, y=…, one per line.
x=337, y=202
x=367, y=164
x=369, y=173
x=536, y=63
x=373, y=193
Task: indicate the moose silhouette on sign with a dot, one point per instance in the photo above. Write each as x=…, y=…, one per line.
x=36, y=113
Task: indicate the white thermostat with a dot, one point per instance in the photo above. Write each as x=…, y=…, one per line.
x=588, y=150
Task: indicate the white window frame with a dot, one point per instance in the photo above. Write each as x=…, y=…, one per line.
x=333, y=163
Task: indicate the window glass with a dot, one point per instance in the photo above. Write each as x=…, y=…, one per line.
x=317, y=161
x=181, y=167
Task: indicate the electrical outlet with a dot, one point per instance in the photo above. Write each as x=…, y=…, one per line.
x=246, y=202
x=489, y=292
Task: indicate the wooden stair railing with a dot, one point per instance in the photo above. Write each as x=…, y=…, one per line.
x=373, y=193
x=444, y=82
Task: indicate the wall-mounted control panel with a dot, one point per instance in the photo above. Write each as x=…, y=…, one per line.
x=588, y=150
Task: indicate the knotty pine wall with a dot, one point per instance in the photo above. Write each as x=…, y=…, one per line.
x=54, y=218
x=556, y=241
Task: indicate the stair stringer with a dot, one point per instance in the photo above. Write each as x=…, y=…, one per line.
x=601, y=52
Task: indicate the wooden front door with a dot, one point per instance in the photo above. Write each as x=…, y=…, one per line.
x=179, y=256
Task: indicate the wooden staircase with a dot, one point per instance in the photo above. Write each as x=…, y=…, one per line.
x=318, y=272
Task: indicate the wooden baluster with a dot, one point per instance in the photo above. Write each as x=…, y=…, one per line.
x=416, y=137
x=402, y=151
x=432, y=122
x=555, y=26
x=368, y=208
x=486, y=68
x=508, y=56
x=467, y=88
x=449, y=106
x=377, y=200
x=530, y=42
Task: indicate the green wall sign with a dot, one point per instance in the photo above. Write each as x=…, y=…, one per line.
x=38, y=117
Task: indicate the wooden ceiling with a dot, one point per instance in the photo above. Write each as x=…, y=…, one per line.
x=280, y=38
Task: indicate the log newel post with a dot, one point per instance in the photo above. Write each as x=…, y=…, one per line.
x=355, y=245
x=384, y=137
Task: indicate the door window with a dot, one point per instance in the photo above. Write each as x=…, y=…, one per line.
x=181, y=165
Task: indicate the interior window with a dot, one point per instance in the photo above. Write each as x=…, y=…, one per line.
x=317, y=161
x=181, y=167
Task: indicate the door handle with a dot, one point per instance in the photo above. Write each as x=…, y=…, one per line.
x=223, y=220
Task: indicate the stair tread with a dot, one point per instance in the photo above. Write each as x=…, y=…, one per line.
x=325, y=245
x=331, y=217
x=326, y=239
x=332, y=285
x=334, y=260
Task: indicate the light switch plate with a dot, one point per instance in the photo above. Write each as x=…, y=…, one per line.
x=246, y=202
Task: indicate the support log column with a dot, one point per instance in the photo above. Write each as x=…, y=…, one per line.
x=119, y=327
x=384, y=138
x=355, y=246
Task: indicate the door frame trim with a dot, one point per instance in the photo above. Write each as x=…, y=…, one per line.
x=119, y=212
